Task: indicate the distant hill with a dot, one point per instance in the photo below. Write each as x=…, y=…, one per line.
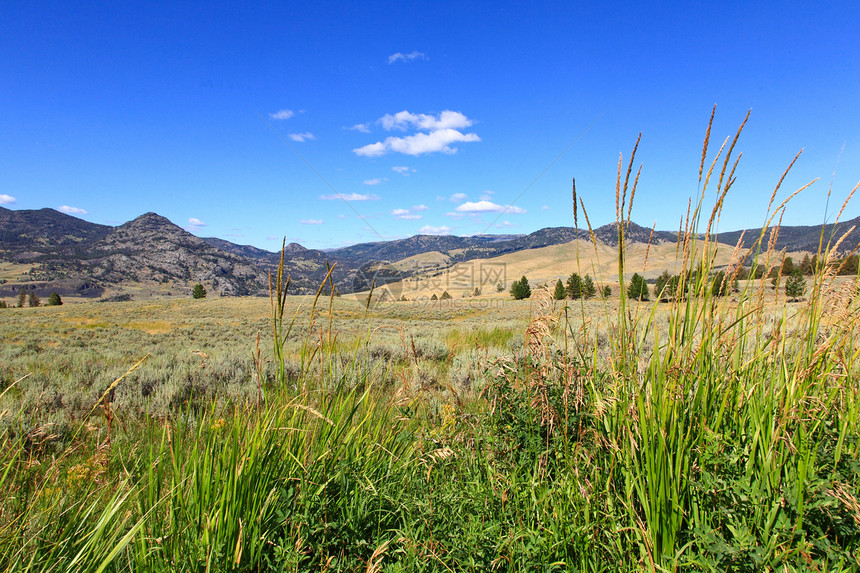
x=801, y=238
x=151, y=250
x=30, y=234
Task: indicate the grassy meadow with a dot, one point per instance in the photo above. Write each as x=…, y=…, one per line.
x=475, y=434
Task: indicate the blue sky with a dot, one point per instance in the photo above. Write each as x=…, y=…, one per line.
x=333, y=123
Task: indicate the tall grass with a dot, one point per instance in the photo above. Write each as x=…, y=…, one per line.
x=707, y=433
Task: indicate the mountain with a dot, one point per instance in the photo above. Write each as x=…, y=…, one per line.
x=30, y=234
x=150, y=250
x=801, y=238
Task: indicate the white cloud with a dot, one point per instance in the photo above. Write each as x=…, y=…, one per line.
x=302, y=137
x=441, y=132
x=545, y=208
x=403, y=120
x=403, y=170
x=420, y=207
x=479, y=207
x=350, y=197
x=487, y=195
x=362, y=127
x=341, y=216
x=406, y=214
x=282, y=114
x=430, y=230
x=434, y=142
x=401, y=57
x=458, y=197
x=194, y=225
x=7, y=200
x=311, y=222
x=375, y=181
x=505, y=225
x=72, y=210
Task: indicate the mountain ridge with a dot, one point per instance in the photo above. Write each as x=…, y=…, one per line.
x=151, y=249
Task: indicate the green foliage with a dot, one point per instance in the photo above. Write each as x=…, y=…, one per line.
x=805, y=266
x=663, y=291
x=795, y=285
x=520, y=289
x=434, y=297
x=445, y=296
x=574, y=286
x=54, y=299
x=33, y=300
x=22, y=297
x=560, y=292
x=198, y=292
x=638, y=288
x=2, y=304
x=607, y=291
x=588, y=288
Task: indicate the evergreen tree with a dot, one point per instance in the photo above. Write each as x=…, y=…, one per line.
x=445, y=296
x=520, y=289
x=719, y=285
x=849, y=265
x=638, y=288
x=2, y=304
x=574, y=286
x=661, y=287
x=54, y=299
x=434, y=297
x=795, y=286
x=805, y=267
x=22, y=297
x=607, y=291
x=476, y=292
x=787, y=266
x=560, y=292
x=588, y=290
x=33, y=300
x=199, y=291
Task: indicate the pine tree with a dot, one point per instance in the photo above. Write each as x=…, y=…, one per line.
x=795, y=286
x=54, y=299
x=661, y=287
x=559, y=293
x=2, y=304
x=33, y=301
x=520, y=289
x=805, y=267
x=719, y=286
x=22, y=297
x=607, y=291
x=199, y=291
x=574, y=286
x=445, y=296
x=638, y=289
x=434, y=297
x=588, y=289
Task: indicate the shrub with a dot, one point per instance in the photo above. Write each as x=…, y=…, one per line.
x=434, y=297
x=199, y=291
x=2, y=304
x=445, y=296
x=54, y=299
x=607, y=291
x=33, y=300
